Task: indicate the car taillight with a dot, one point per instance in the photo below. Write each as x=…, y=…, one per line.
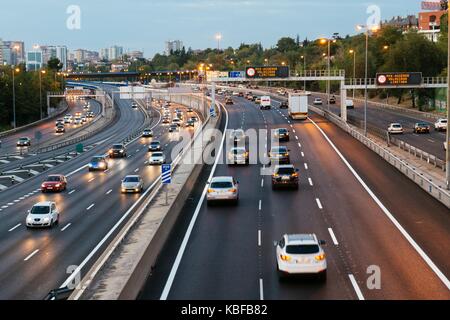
x=295, y=174
x=285, y=257
x=210, y=190
x=320, y=257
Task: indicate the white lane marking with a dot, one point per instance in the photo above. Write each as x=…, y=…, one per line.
x=71, y=191
x=4, y=207
x=136, y=170
x=299, y=145
x=259, y=205
x=310, y=182
x=92, y=179
x=21, y=198
x=303, y=155
x=67, y=225
x=15, y=227
x=296, y=137
x=16, y=201
x=106, y=171
x=180, y=253
x=431, y=140
x=137, y=150
x=402, y=230
x=333, y=237
x=90, y=207
x=306, y=166
x=31, y=255
x=319, y=204
x=259, y=238
x=261, y=289
x=262, y=183
x=293, y=130
x=292, y=126
x=129, y=156
x=109, y=191
x=146, y=161
x=10, y=203
x=356, y=287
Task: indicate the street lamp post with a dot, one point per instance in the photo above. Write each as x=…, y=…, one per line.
x=328, y=41
x=447, y=153
x=304, y=72
x=218, y=38
x=41, y=72
x=14, y=70
x=367, y=30
x=354, y=69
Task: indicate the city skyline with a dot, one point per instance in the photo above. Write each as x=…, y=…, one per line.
x=196, y=33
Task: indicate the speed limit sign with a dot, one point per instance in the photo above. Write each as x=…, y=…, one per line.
x=251, y=72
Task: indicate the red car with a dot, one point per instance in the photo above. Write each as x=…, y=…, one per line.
x=53, y=183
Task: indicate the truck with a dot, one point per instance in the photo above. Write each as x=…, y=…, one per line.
x=298, y=106
x=265, y=102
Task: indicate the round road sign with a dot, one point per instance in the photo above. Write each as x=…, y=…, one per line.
x=251, y=72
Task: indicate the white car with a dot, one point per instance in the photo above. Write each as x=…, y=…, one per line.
x=237, y=135
x=301, y=254
x=395, y=128
x=157, y=158
x=132, y=183
x=223, y=189
x=238, y=155
x=77, y=121
x=43, y=214
x=317, y=101
x=235, y=93
x=441, y=125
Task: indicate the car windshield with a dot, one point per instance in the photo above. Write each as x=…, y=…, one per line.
x=282, y=131
x=284, y=171
x=396, y=125
x=53, y=178
x=40, y=210
x=23, y=139
x=279, y=150
x=302, y=249
x=131, y=179
x=422, y=124
x=157, y=154
x=238, y=151
x=221, y=185
x=154, y=143
x=117, y=146
x=97, y=159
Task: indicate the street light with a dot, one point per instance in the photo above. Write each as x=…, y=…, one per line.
x=266, y=61
x=385, y=47
x=328, y=42
x=218, y=38
x=304, y=71
x=367, y=31
x=14, y=70
x=353, y=52
x=40, y=91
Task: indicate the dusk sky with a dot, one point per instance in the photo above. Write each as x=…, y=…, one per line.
x=146, y=24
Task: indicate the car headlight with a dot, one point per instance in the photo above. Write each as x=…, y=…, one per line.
x=58, y=185
x=101, y=165
x=46, y=219
x=29, y=220
x=121, y=151
x=320, y=257
x=90, y=165
x=285, y=257
x=42, y=185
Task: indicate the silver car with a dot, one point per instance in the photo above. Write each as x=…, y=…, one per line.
x=132, y=183
x=157, y=158
x=223, y=189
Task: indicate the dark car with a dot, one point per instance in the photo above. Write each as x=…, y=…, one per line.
x=421, y=127
x=332, y=100
x=279, y=154
x=228, y=101
x=154, y=146
x=282, y=134
x=285, y=176
x=173, y=128
x=284, y=105
x=118, y=151
x=98, y=163
x=166, y=120
x=241, y=94
x=190, y=123
x=23, y=142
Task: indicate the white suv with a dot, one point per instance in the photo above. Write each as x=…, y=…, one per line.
x=441, y=125
x=395, y=128
x=223, y=189
x=43, y=214
x=301, y=254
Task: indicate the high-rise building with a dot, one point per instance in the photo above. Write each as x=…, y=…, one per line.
x=61, y=54
x=7, y=54
x=13, y=52
x=134, y=55
x=1, y=52
x=172, y=46
x=80, y=55
x=115, y=52
x=34, y=60
x=104, y=54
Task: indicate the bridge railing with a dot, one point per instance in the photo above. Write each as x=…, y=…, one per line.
x=319, y=73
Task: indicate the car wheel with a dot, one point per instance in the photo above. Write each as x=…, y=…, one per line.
x=273, y=186
x=281, y=275
x=323, y=276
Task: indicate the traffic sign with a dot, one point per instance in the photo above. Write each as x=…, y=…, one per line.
x=267, y=72
x=395, y=79
x=212, y=111
x=166, y=173
x=236, y=74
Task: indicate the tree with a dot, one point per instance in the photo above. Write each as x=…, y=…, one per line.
x=54, y=64
x=286, y=44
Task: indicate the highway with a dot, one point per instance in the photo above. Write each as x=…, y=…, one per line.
x=381, y=118
x=368, y=213
x=47, y=128
x=32, y=262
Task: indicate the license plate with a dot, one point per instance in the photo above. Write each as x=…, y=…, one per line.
x=285, y=178
x=49, y=187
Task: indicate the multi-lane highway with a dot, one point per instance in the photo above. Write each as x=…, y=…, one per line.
x=380, y=118
x=32, y=262
x=46, y=128
x=369, y=214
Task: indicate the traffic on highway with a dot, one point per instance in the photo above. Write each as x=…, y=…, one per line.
x=226, y=159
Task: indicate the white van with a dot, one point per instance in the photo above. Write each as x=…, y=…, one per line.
x=349, y=104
